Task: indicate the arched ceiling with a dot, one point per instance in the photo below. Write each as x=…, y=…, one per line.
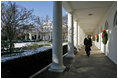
x=88, y=13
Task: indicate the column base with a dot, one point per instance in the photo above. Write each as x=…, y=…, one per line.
x=79, y=47
x=56, y=68
x=70, y=55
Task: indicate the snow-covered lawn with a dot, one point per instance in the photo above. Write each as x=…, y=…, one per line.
x=18, y=45
x=4, y=58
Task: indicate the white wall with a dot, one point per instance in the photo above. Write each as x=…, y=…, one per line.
x=110, y=49
x=98, y=31
x=81, y=36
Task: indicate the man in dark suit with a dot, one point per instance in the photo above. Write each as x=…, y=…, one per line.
x=88, y=44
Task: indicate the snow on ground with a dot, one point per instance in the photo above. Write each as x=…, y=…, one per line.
x=65, y=43
x=18, y=45
x=7, y=57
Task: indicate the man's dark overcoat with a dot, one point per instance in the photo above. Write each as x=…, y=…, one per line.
x=88, y=44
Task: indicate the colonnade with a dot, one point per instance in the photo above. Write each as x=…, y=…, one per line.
x=75, y=37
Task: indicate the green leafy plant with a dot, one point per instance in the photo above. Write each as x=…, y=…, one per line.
x=30, y=47
x=97, y=37
x=47, y=44
x=104, y=37
x=93, y=38
x=5, y=45
x=65, y=41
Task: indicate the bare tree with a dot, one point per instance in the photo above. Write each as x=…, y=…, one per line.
x=12, y=18
x=41, y=21
x=64, y=19
x=65, y=26
x=25, y=29
x=47, y=18
x=47, y=25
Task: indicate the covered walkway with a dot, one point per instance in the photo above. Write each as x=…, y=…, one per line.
x=96, y=66
x=84, y=18
x=95, y=18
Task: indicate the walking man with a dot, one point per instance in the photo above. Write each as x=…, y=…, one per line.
x=88, y=44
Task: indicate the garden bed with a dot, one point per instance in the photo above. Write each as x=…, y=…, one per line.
x=25, y=66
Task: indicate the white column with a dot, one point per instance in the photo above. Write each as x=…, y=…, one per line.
x=37, y=35
x=43, y=37
x=57, y=59
x=30, y=36
x=26, y=36
x=70, y=36
x=79, y=37
x=76, y=34
x=50, y=35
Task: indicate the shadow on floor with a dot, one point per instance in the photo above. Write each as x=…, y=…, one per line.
x=96, y=66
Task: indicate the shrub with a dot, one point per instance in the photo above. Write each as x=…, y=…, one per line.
x=30, y=47
x=97, y=37
x=93, y=38
x=24, y=67
x=46, y=45
x=5, y=45
x=65, y=41
x=104, y=37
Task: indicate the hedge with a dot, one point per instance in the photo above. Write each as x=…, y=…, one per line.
x=24, y=67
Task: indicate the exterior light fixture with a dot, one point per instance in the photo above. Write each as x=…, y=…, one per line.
x=90, y=14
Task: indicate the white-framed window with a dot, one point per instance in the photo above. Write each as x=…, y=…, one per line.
x=115, y=20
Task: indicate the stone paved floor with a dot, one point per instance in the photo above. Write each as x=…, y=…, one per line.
x=95, y=66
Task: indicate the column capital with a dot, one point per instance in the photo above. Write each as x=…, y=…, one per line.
x=71, y=12
x=76, y=20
